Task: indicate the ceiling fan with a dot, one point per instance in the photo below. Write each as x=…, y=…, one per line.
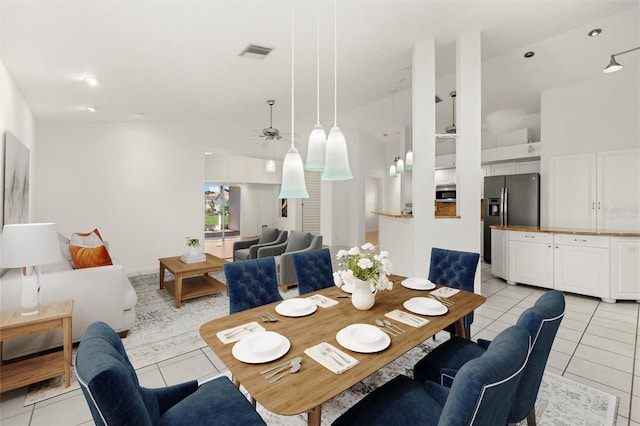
x=270, y=133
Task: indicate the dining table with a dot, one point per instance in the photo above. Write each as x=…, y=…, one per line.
x=314, y=384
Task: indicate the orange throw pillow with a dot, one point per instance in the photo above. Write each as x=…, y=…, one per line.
x=90, y=257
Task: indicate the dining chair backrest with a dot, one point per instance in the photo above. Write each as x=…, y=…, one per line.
x=251, y=283
x=542, y=321
x=455, y=269
x=485, y=387
x=314, y=270
x=111, y=388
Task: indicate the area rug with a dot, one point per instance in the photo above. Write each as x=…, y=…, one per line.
x=162, y=332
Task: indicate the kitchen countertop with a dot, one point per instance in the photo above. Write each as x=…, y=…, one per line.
x=394, y=214
x=524, y=228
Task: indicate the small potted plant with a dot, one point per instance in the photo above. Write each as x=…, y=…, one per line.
x=193, y=244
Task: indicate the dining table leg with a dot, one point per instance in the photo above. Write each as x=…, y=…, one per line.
x=314, y=415
x=460, y=330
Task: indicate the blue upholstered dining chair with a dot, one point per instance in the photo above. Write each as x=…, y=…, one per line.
x=251, y=283
x=482, y=393
x=455, y=269
x=313, y=269
x=110, y=386
x=541, y=320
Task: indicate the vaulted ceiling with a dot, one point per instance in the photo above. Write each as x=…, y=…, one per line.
x=177, y=61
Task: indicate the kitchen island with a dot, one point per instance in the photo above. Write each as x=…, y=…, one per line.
x=604, y=264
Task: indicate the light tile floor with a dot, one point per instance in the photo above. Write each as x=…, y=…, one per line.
x=598, y=344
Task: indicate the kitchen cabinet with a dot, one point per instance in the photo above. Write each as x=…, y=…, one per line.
x=499, y=250
x=530, y=258
x=445, y=176
x=523, y=167
x=582, y=265
x=503, y=168
x=595, y=191
x=625, y=268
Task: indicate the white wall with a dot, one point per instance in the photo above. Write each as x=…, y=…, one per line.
x=590, y=116
x=17, y=118
x=139, y=184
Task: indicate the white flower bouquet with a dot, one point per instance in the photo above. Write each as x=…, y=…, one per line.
x=363, y=263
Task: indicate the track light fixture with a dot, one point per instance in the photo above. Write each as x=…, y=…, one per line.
x=613, y=64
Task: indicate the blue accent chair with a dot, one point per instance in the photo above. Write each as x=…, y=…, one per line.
x=541, y=320
x=110, y=385
x=455, y=269
x=313, y=269
x=251, y=283
x=482, y=393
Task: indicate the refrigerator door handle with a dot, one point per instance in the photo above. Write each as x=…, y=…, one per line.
x=502, y=206
x=506, y=203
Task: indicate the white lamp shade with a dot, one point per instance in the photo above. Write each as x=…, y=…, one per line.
x=293, y=184
x=29, y=244
x=613, y=66
x=336, y=165
x=400, y=166
x=392, y=170
x=270, y=167
x=317, y=146
x=409, y=162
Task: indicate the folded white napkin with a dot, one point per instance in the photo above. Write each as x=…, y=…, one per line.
x=322, y=301
x=331, y=357
x=407, y=318
x=236, y=333
x=445, y=292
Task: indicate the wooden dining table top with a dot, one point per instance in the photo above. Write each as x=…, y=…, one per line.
x=314, y=384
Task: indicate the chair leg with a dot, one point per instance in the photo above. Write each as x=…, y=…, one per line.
x=531, y=417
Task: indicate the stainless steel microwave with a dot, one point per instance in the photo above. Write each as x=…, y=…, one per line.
x=446, y=193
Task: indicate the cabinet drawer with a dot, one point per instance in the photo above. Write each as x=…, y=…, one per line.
x=582, y=240
x=531, y=237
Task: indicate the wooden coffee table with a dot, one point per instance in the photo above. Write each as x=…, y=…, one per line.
x=199, y=283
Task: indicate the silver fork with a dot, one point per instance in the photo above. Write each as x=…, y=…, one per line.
x=272, y=317
x=330, y=349
x=266, y=318
x=232, y=333
x=328, y=354
x=442, y=300
x=409, y=317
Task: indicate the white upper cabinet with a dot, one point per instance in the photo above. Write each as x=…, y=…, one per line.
x=503, y=169
x=528, y=167
x=596, y=191
x=445, y=176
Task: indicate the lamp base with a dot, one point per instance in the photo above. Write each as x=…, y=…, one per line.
x=30, y=296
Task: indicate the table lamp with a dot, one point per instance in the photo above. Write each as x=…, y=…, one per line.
x=27, y=246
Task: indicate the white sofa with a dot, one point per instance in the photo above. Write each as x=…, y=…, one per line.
x=99, y=294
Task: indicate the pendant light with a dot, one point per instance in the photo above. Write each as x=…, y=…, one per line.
x=293, y=185
x=408, y=164
x=336, y=166
x=613, y=64
x=318, y=137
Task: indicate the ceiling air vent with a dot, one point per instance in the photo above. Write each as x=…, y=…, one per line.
x=254, y=51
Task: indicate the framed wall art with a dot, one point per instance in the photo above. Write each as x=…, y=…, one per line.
x=16, y=181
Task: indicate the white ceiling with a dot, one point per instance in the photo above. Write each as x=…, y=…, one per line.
x=177, y=61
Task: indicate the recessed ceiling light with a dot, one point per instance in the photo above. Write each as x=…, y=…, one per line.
x=91, y=81
x=529, y=54
x=139, y=114
x=208, y=153
x=594, y=32
x=90, y=109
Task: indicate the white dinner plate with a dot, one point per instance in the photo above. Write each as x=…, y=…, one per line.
x=418, y=284
x=259, y=347
x=296, y=307
x=363, y=338
x=425, y=306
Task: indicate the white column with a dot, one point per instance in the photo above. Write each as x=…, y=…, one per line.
x=423, y=133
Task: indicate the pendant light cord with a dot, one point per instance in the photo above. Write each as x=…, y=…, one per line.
x=318, y=63
x=335, y=64
x=292, y=71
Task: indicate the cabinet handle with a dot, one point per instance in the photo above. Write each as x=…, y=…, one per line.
x=579, y=241
x=593, y=206
x=598, y=205
x=529, y=236
x=549, y=246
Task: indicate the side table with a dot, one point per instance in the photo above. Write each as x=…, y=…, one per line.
x=23, y=372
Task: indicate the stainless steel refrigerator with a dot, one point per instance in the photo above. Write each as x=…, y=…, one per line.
x=510, y=200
